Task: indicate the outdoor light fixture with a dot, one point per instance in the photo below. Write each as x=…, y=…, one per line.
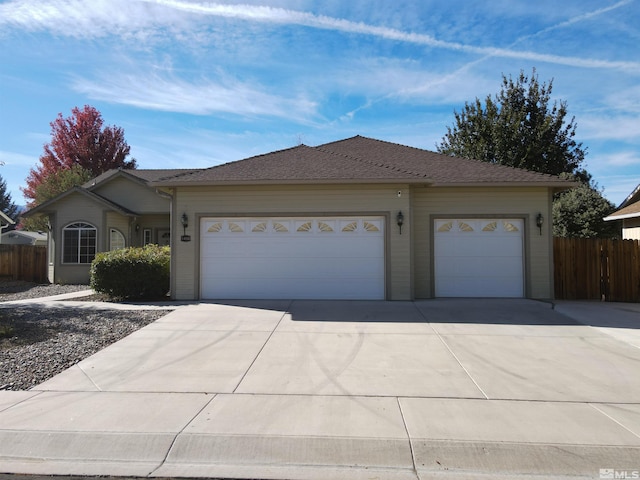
x=185, y=223
x=540, y=222
x=400, y=221
x=137, y=227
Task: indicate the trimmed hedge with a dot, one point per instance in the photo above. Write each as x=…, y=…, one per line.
x=132, y=273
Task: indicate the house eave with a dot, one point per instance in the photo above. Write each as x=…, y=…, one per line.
x=621, y=217
x=347, y=181
x=365, y=181
x=558, y=187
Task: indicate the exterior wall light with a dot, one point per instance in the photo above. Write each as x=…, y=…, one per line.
x=540, y=222
x=184, y=219
x=400, y=221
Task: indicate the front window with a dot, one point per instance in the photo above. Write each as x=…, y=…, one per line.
x=79, y=242
x=116, y=240
x=146, y=236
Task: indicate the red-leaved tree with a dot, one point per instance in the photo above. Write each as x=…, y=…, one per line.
x=78, y=141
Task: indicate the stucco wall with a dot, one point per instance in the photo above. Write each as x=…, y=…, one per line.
x=199, y=202
x=133, y=196
x=409, y=256
x=78, y=208
x=523, y=203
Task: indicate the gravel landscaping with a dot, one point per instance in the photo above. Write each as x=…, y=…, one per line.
x=37, y=343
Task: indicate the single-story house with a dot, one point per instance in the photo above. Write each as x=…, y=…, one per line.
x=22, y=237
x=117, y=209
x=629, y=213
x=357, y=219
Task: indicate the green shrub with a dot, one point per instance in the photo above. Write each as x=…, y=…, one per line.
x=132, y=273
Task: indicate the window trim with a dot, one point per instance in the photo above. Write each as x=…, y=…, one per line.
x=79, y=227
x=124, y=240
x=147, y=237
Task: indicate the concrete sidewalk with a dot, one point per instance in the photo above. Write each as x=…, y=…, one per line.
x=348, y=390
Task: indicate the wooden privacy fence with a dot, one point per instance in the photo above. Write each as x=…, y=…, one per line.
x=24, y=262
x=597, y=269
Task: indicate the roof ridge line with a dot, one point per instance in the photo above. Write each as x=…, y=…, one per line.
x=368, y=162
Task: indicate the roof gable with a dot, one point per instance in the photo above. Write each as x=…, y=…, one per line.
x=49, y=206
x=362, y=160
x=140, y=176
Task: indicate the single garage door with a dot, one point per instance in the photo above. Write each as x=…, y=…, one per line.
x=297, y=258
x=478, y=257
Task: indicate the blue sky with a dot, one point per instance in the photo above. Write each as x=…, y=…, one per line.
x=195, y=84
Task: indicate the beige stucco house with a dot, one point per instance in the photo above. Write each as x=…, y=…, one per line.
x=629, y=213
x=116, y=209
x=358, y=219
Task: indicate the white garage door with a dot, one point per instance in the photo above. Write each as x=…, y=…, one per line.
x=478, y=257
x=297, y=258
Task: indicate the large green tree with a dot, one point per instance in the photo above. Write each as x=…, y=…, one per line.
x=578, y=212
x=522, y=127
x=519, y=127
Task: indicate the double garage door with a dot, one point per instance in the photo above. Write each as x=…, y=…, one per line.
x=292, y=258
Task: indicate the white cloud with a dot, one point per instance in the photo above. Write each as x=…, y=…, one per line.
x=13, y=159
x=84, y=18
x=283, y=16
x=623, y=159
x=610, y=127
x=625, y=100
x=155, y=92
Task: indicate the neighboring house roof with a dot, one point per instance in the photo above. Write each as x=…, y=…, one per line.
x=32, y=237
x=630, y=208
x=361, y=160
x=4, y=218
x=46, y=206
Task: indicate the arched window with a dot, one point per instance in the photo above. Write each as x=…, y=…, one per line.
x=116, y=240
x=79, y=243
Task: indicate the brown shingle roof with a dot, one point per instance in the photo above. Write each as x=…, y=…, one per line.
x=361, y=160
x=630, y=211
x=146, y=175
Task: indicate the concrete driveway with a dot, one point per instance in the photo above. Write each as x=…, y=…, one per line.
x=362, y=390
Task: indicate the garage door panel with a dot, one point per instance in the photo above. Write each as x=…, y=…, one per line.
x=329, y=258
x=301, y=267
x=358, y=289
x=478, y=258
